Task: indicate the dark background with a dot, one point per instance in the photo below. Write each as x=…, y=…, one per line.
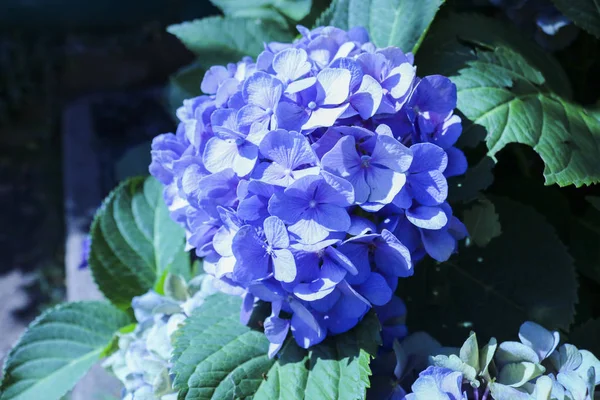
x=54, y=54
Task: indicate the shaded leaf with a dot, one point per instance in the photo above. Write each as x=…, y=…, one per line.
x=482, y=222
x=134, y=240
x=455, y=40
x=400, y=23
x=468, y=187
x=58, y=348
x=525, y=274
x=218, y=40
x=584, y=13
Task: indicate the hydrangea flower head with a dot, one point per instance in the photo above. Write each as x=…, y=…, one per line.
x=314, y=177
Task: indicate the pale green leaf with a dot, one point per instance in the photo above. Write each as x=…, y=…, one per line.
x=400, y=23
x=58, y=348
x=218, y=40
x=294, y=9
x=133, y=240
x=510, y=98
x=338, y=368
x=584, y=13
x=215, y=356
x=482, y=222
x=524, y=274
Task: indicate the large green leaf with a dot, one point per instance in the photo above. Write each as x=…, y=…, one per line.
x=294, y=9
x=585, y=13
x=215, y=356
x=400, y=23
x=453, y=41
x=335, y=369
x=501, y=91
x=134, y=240
x=524, y=274
x=218, y=40
x=58, y=348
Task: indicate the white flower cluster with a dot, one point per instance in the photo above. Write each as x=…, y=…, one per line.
x=142, y=362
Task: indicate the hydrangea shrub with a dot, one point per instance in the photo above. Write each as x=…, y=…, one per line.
x=302, y=225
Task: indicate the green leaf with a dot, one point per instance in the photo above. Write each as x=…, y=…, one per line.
x=215, y=356
x=400, y=23
x=58, y=348
x=524, y=274
x=294, y=9
x=455, y=40
x=184, y=84
x=218, y=40
x=584, y=13
x=338, y=368
x=133, y=240
x=510, y=98
x=482, y=222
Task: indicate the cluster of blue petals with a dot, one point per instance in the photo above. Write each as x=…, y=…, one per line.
x=314, y=178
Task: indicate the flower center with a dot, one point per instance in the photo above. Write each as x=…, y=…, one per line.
x=365, y=161
x=312, y=204
x=240, y=141
x=287, y=172
x=312, y=105
x=269, y=111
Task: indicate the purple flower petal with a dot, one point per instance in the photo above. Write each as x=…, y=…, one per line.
x=368, y=97
x=276, y=330
x=439, y=244
x=262, y=90
x=334, y=86
x=284, y=265
x=324, y=117
x=252, y=260
x=392, y=154
x=306, y=329
x=375, y=289
x=457, y=162
x=427, y=217
x=291, y=64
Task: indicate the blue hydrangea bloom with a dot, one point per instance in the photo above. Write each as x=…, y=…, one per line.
x=313, y=178
x=437, y=383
